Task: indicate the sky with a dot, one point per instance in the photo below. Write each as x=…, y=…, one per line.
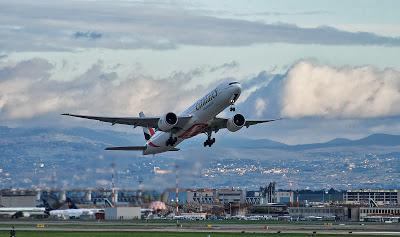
x=329, y=68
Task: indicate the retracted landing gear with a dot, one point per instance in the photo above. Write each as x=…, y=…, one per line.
x=171, y=141
x=210, y=141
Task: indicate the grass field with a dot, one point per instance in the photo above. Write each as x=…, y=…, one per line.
x=107, y=224
x=154, y=234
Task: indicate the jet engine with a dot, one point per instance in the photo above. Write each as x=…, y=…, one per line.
x=235, y=123
x=167, y=122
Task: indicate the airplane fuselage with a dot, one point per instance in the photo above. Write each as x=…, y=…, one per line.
x=202, y=113
x=74, y=213
x=25, y=211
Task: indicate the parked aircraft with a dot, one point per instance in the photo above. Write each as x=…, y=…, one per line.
x=17, y=212
x=74, y=212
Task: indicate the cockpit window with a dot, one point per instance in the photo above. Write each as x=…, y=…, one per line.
x=235, y=82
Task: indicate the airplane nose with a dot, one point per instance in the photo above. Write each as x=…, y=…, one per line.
x=237, y=88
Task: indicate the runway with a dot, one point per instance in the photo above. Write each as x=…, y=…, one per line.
x=201, y=226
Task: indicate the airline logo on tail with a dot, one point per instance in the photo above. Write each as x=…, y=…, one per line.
x=148, y=132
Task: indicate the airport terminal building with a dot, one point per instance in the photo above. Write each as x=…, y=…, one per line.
x=364, y=196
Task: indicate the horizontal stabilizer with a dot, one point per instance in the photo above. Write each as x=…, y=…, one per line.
x=126, y=148
x=174, y=149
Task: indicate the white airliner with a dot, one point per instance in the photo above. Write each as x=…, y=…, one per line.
x=74, y=212
x=16, y=212
x=166, y=132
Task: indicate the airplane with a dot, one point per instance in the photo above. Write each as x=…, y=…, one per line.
x=17, y=212
x=42, y=210
x=74, y=212
x=164, y=133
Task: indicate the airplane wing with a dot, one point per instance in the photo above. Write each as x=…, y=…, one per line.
x=133, y=148
x=220, y=123
x=149, y=122
x=126, y=148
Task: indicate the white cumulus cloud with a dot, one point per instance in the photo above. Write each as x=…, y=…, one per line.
x=260, y=106
x=311, y=89
x=27, y=91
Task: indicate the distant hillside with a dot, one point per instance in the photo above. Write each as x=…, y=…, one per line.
x=35, y=136
x=246, y=143
x=372, y=140
x=72, y=135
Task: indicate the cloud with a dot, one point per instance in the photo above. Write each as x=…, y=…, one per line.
x=88, y=35
x=311, y=89
x=260, y=107
x=139, y=25
x=270, y=13
x=28, y=92
x=36, y=69
x=226, y=67
x=262, y=95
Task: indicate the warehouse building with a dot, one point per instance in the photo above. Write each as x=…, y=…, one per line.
x=18, y=198
x=122, y=213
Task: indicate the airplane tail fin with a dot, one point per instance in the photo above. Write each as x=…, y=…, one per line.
x=49, y=202
x=107, y=203
x=47, y=207
x=70, y=203
x=148, y=132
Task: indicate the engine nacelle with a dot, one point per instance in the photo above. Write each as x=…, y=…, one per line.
x=235, y=123
x=167, y=122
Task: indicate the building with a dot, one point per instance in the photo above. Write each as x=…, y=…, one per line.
x=284, y=197
x=271, y=209
x=319, y=213
x=18, y=198
x=265, y=195
x=122, y=213
x=258, y=198
x=364, y=196
x=192, y=216
x=230, y=196
x=379, y=214
x=170, y=196
x=253, y=197
x=204, y=196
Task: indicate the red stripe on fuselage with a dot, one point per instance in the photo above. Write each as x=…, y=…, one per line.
x=194, y=130
x=152, y=144
x=151, y=130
